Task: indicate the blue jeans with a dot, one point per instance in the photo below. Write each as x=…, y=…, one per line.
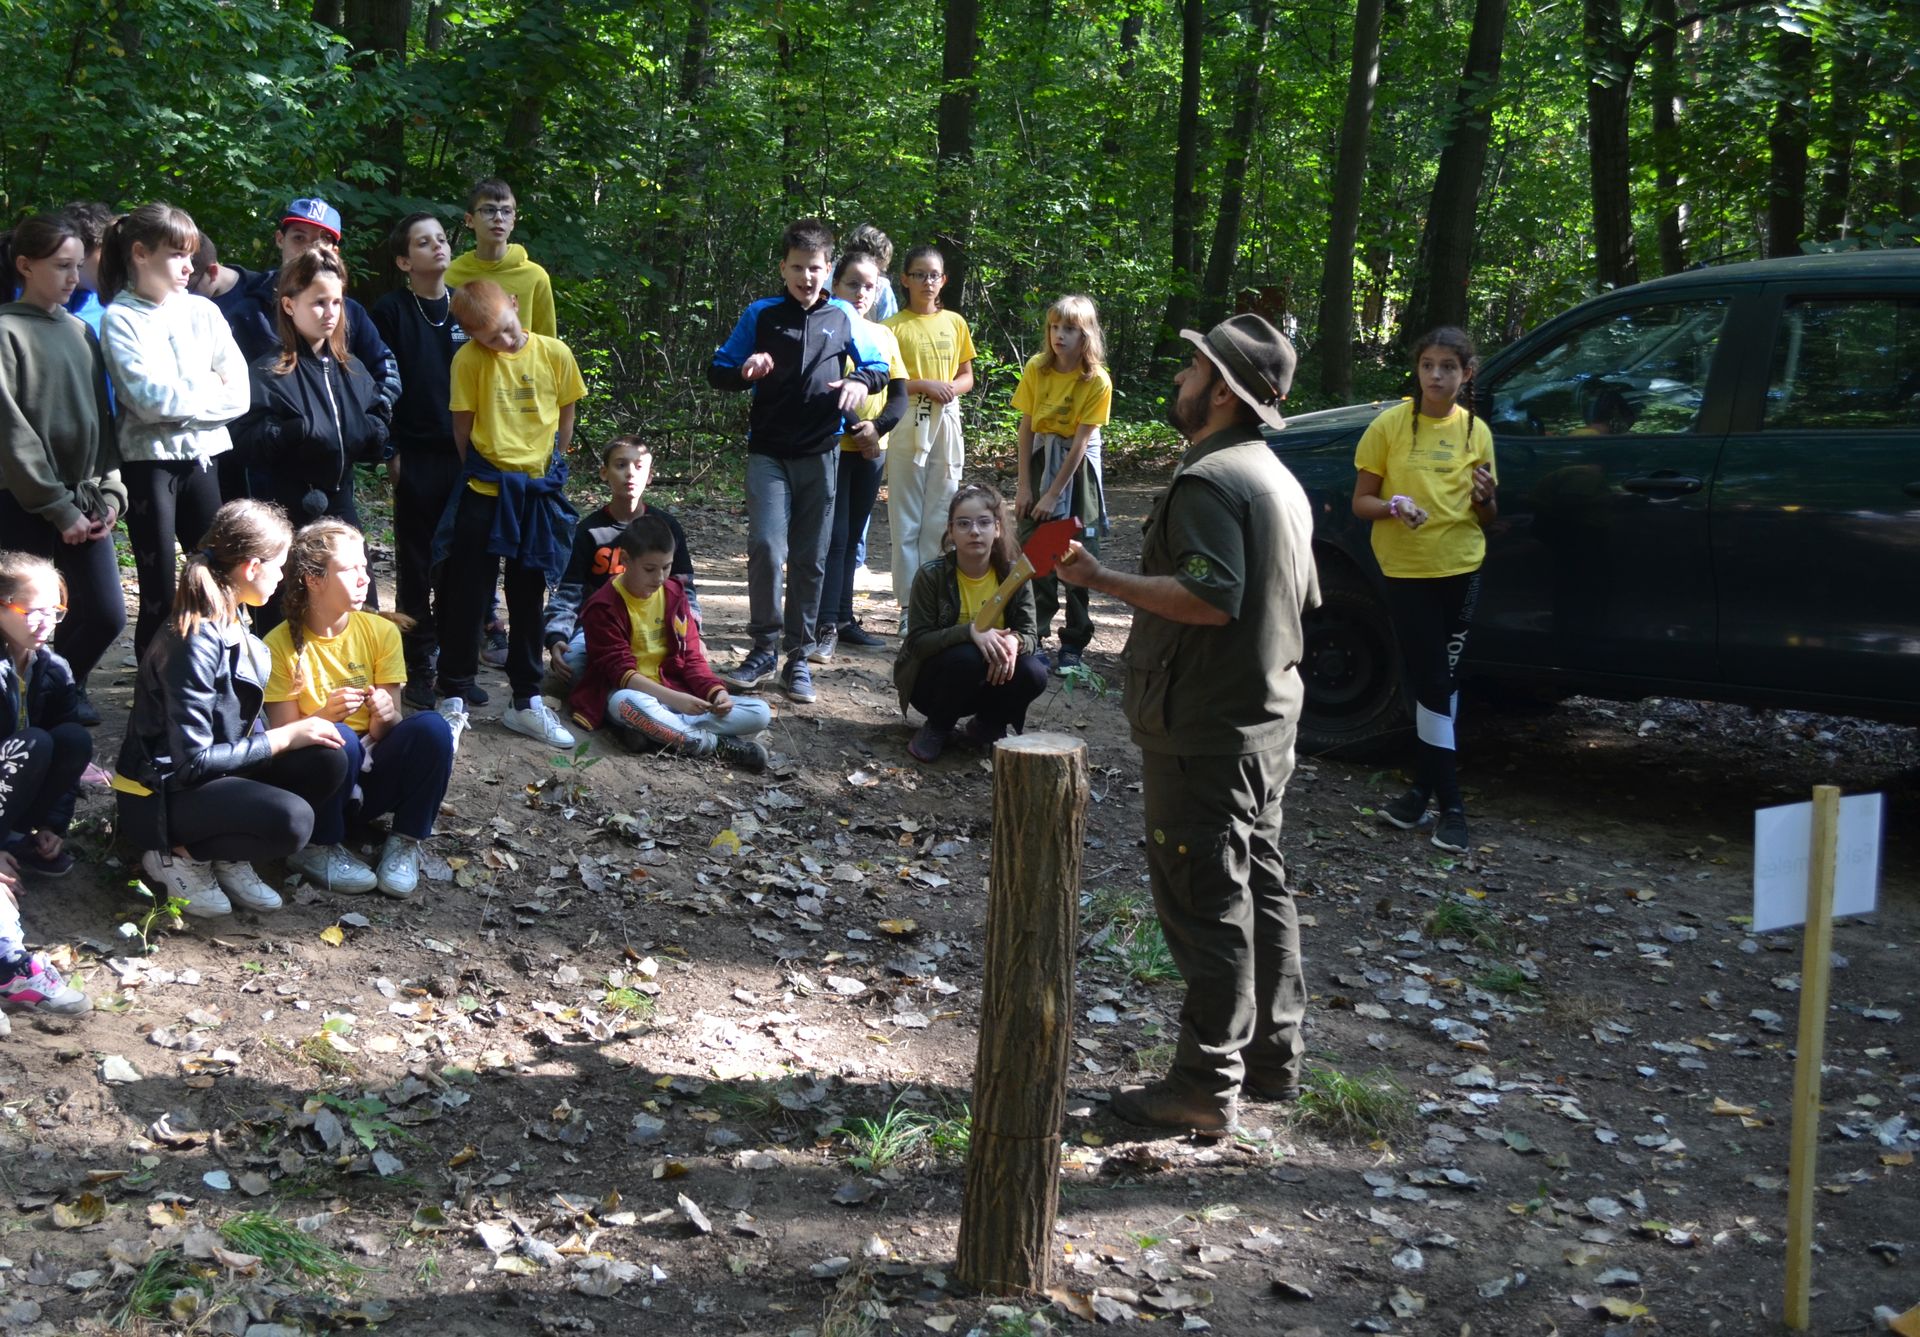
x=691, y=735
x=407, y=776
x=853, y=497
x=789, y=510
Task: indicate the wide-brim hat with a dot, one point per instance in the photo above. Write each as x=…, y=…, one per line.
x=316, y=212
x=1254, y=359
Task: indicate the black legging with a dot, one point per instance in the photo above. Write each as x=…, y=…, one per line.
x=1432, y=618
x=427, y=479
x=953, y=684
x=40, y=773
x=263, y=814
x=96, y=607
x=166, y=500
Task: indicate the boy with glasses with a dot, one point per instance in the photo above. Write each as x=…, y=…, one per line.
x=491, y=215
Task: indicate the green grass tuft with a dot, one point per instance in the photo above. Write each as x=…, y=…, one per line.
x=1508, y=980
x=903, y=1136
x=287, y=1251
x=1468, y=922
x=1353, y=1107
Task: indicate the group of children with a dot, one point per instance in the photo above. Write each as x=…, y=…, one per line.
x=223, y=412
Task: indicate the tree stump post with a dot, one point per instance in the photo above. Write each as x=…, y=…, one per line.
x=1040, y=788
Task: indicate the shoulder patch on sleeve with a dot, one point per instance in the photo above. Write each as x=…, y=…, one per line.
x=1198, y=567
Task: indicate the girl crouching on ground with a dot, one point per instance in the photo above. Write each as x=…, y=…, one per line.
x=946, y=668
x=43, y=750
x=204, y=793
x=647, y=675
x=335, y=663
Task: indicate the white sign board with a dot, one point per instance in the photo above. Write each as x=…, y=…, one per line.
x=1782, y=843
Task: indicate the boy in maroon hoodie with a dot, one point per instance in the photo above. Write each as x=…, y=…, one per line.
x=647, y=676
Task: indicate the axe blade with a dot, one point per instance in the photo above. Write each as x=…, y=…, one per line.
x=1049, y=543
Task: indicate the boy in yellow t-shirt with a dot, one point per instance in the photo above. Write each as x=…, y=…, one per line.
x=927, y=451
x=513, y=400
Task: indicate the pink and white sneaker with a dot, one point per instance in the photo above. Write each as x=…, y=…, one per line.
x=37, y=987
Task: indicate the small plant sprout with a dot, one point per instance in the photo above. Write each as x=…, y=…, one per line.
x=1086, y=679
x=160, y=915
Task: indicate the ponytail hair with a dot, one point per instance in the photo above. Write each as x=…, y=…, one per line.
x=151, y=225
x=1005, y=551
x=306, y=269
x=308, y=556
x=242, y=531
x=35, y=239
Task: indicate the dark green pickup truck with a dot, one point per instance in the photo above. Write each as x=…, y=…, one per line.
x=1709, y=487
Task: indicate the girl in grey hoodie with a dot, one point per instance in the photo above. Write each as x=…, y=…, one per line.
x=178, y=379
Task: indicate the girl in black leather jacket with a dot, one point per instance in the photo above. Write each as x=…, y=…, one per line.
x=205, y=790
x=316, y=410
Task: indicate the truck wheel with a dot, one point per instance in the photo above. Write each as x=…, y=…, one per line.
x=1355, y=705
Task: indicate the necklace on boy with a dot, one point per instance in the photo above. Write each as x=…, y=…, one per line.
x=437, y=324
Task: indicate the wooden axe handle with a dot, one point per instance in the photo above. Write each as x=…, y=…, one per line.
x=1020, y=573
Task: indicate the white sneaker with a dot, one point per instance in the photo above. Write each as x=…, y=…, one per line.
x=244, y=886
x=538, y=721
x=454, y=711
x=331, y=868
x=399, y=871
x=189, y=880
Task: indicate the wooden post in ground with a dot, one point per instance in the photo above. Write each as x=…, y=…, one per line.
x=1026, y=1014
x=1816, y=974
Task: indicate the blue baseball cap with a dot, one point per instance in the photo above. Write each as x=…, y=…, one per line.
x=316, y=212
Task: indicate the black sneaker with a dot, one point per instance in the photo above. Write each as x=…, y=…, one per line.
x=742, y=752
x=1068, y=658
x=32, y=861
x=852, y=633
x=85, y=713
x=1406, y=812
x=755, y=669
x=418, y=694
x=469, y=692
x=1450, y=832
x=797, y=678
x=821, y=651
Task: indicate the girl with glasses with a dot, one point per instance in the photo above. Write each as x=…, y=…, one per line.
x=947, y=668
x=43, y=752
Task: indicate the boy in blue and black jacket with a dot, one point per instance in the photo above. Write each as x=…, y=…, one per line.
x=810, y=368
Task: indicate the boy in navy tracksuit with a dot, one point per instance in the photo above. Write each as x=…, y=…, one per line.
x=810, y=369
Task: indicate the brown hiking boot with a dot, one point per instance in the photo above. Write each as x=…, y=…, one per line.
x=1276, y=1088
x=1166, y=1109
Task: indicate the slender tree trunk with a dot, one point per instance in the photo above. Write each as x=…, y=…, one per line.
x=438, y=29
x=1843, y=130
x=1217, y=297
x=1665, y=87
x=1186, y=170
x=1445, y=262
x=329, y=13
x=1335, y=338
x=1787, y=144
x=954, y=121
x=1131, y=26
x=377, y=30
x=671, y=242
x=1609, y=71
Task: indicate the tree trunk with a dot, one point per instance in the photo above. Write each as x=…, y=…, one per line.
x=1335, y=339
x=329, y=13
x=1787, y=143
x=1445, y=262
x=438, y=29
x=1609, y=71
x=1186, y=170
x=1843, y=129
x=671, y=242
x=1131, y=26
x=1216, y=295
x=955, y=147
x=378, y=28
x=1040, y=790
x=1665, y=87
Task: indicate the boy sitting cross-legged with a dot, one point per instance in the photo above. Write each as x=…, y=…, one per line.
x=626, y=465
x=646, y=675
x=513, y=400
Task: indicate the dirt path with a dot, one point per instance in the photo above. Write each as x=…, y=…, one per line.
x=640, y=985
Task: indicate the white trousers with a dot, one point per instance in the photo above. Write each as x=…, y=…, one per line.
x=925, y=455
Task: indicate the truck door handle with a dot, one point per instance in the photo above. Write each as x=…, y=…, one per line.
x=1665, y=483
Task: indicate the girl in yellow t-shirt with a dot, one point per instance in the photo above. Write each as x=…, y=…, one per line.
x=1426, y=481
x=948, y=668
x=332, y=661
x=1064, y=398
x=927, y=452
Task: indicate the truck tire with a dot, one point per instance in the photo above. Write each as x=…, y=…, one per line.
x=1356, y=704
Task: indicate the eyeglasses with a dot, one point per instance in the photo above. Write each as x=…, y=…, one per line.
x=978, y=524
x=495, y=211
x=925, y=275
x=55, y=614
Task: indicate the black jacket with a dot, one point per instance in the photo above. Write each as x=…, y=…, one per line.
x=51, y=698
x=795, y=413
x=307, y=427
x=195, y=705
